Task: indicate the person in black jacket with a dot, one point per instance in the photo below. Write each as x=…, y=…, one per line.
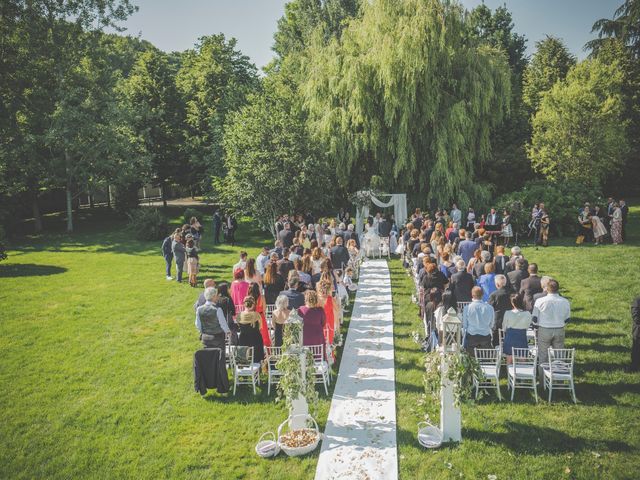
x=500, y=300
x=433, y=278
x=461, y=283
x=167, y=253
x=635, y=335
x=217, y=224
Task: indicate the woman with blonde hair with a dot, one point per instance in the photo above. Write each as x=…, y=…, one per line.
x=316, y=260
x=249, y=326
x=279, y=318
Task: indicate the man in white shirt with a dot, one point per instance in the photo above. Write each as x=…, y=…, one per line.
x=262, y=259
x=477, y=321
x=550, y=313
x=456, y=215
x=242, y=264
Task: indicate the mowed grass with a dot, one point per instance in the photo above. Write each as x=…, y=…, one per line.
x=96, y=352
x=599, y=438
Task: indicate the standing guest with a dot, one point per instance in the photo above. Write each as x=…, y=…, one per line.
x=467, y=247
x=295, y=298
x=516, y=276
x=239, y=288
x=487, y=281
x=616, y=224
x=500, y=261
x=507, y=229
x=179, y=253
x=167, y=253
x=325, y=300
x=545, y=223
x=261, y=309
x=471, y=220
x=433, y=304
x=635, y=336
x=196, y=231
x=249, y=326
x=242, y=263
x=217, y=224
x=477, y=321
x=228, y=308
x=262, y=259
x=515, y=324
x=433, y=278
x=516, y=254
x=279, y=317
x=461, y=283
x=208, y=283
x=500, y=300
x=286, y=236
x=251, y=273
x=550, y=313
x=313, y=320
x=285, y=265
x=193, y=262
x=456, y=214
x=610, y=208
x=476, y=259
x=273, y=283
x=584, y=225
x=624, y=209
x=211, y=322
x=599, y=230
x=232, y=225
x=340, y=255
x=530, y=286
x=544, y=281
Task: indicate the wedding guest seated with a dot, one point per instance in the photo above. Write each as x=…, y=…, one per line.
x=446, y=266
x=487, y=281
x=211, y=322
x=478, y=268
x=304, y=277
x=515, y=324
x=228, y=309
x=477, y=321
x=530, y=286
x=273, y=283
x=239, y=287
x=279, y=317
x=293, y=296
x=313, y=320
x=461, y=283
x=285, y=265
x=249, y=326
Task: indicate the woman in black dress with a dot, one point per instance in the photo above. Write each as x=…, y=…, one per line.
x=249, y=325
x=273, y=283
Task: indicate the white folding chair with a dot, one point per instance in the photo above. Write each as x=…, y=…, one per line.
x=500, y=346
x=461, y=305
x=228, y=350
x=245, y=370
x=274, y=354
x=320, y=365
x=269, y=317
x=532, y=340
x=521, y=372
x=558, y=373
x=489, y=360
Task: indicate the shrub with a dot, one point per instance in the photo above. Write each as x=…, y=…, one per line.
x=562, y=200
x=3, y=255
x=192, y=212
x=126, y=197
x=148, y=224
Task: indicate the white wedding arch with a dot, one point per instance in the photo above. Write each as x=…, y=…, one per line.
x=397, y=200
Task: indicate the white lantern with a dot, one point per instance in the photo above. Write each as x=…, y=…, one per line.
x=451, y=329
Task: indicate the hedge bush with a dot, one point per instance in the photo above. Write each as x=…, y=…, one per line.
x=148, y=224
x=562, y=200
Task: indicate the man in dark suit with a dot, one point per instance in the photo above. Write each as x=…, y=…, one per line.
x=384, y=227
x=286, y=236
x=461, y=283
x=285, y=265
x=466, y=248
x=296, y=299
x=500, y=300
x=516, y=276
x=217, y=224
x=530, y=286
x=515, y=254
x=339, y=255
x=493, y=218
x=624, y=208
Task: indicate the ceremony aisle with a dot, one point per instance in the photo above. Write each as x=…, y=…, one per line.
x=360, y=434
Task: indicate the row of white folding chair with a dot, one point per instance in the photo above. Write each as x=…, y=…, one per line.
x=320, y=365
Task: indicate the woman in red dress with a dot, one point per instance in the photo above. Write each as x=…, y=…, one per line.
x=254, y=291
x=325, y=300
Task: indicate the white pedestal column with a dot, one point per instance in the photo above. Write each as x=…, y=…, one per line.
x=450, y=418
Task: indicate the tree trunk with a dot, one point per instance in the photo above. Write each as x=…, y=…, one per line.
x=37, y=218
x=108, y=196
x=163, y=191
x=91, y=201
x=69, y=196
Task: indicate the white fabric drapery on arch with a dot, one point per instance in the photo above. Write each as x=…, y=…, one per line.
x=397, y=200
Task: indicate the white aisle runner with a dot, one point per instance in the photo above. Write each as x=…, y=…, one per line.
x=360, y=436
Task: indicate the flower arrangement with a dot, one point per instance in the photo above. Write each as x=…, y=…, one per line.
x=362, y=198
x=462, y=368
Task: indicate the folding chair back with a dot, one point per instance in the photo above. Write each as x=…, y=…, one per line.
x=461, y=306
x=522, y=371
x=558, y=374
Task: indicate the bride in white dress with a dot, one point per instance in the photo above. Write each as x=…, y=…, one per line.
x=370, y=241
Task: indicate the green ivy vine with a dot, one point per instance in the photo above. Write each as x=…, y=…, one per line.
x=461, y=372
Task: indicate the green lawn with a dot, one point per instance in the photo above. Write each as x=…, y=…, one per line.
x=598, y=438
x=96, y=354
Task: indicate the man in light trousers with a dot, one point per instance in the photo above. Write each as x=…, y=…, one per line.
x=550, y=313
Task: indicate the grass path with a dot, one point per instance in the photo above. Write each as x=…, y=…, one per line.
x=598, y=438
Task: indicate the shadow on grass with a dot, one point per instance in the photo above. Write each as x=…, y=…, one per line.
x=29, y=270
x=595, y=394
x=528, y=439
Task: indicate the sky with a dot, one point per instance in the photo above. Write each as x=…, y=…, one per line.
x=175, y=25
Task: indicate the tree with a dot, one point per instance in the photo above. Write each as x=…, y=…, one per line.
x=406, y=98
x=214, y=79
x=625, y=26
x=549, y=64
x=508, y=140
x=273, y=165
x=156, y=114
x=579, y=131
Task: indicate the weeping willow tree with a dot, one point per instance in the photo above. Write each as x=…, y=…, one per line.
x=408, y=95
